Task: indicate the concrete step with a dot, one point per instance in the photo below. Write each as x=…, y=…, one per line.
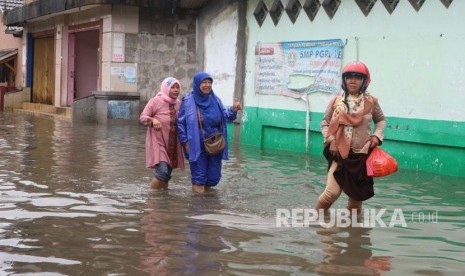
x=45, y=109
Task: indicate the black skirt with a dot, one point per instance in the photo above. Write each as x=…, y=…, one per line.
x=351, y=174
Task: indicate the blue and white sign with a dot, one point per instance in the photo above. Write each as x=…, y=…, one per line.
x=299, y=67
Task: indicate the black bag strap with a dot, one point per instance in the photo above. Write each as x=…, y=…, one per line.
x=201, y=124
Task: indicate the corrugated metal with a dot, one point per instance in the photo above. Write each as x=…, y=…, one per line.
x=6, y=5
x=18, y=16
x=7, y=53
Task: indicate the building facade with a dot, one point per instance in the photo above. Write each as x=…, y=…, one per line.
x=104, y=59
x=413, y=49
x=10, y=54
x=257, y=51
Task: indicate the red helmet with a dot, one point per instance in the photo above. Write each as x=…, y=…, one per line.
x=356, y=68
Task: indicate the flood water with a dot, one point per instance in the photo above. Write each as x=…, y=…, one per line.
x=75, y=200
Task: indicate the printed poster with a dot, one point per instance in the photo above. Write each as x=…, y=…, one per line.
x=298, y=68
x=130, y=74
x=118, y=47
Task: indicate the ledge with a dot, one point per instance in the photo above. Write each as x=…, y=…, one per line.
x=115, y=95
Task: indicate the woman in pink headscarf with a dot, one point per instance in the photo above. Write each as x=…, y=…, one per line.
x=162, y=148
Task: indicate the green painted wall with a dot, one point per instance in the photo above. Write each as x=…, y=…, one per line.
x=424, y=145
x=417, y=66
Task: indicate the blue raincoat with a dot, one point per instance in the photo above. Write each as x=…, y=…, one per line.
x=189, y=132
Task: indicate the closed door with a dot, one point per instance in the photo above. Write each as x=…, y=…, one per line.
x=43, y=73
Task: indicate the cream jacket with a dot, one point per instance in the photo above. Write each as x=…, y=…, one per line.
x=362, y=133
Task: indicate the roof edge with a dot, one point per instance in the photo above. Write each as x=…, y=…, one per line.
x=20, y=15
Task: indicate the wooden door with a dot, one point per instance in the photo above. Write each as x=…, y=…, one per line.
x=43, y=87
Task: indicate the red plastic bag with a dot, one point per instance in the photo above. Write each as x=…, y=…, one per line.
x=380, y=163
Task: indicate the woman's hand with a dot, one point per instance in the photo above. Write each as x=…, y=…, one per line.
x=333, y=149
x=236, y=105
x=155, y=124
x=374, y=141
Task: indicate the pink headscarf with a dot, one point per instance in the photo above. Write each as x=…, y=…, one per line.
x=165, y=89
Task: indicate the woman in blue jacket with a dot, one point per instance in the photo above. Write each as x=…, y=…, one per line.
x=202, y=103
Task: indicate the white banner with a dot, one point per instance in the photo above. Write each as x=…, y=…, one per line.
x=298, y=68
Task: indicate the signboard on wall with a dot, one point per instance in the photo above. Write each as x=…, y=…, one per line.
x=119, y=110
x=298, y=68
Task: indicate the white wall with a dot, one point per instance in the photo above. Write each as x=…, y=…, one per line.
x=221, y=53
x=416, y=59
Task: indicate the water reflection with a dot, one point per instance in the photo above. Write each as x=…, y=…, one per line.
x=348, y=252
x=75, y=200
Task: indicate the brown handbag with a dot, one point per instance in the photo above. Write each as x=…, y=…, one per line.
x=214, y=143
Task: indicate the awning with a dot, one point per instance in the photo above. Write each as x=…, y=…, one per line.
x=7, y=55
x=14, y=30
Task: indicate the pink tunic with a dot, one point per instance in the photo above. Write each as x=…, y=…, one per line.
x=156, y=142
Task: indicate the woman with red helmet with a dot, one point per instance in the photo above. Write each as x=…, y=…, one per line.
x=348, y=139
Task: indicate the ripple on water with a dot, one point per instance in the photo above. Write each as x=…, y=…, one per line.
x=55, y=201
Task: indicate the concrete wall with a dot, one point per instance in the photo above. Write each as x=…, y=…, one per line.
x=138, y=49
x=165, y=46
x=221, y=50
x=221, y=47
x=85, y=110
x=416, y=68
x=14, y=100
x=118, y=72
x=411, y=54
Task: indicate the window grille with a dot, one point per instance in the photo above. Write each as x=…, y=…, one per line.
x=446, y=2
x=365, y=5
x=276, y=11
x=390, y=5
x=293, y=9
x=331, y=7
x=311, y=7
x=260, y=13
x=417, y=4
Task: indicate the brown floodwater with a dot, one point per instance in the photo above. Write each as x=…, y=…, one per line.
x=75, y=200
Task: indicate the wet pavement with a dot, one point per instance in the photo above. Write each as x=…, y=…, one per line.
x=75, y=200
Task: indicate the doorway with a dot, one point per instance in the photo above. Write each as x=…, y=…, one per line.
x=83, y=64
